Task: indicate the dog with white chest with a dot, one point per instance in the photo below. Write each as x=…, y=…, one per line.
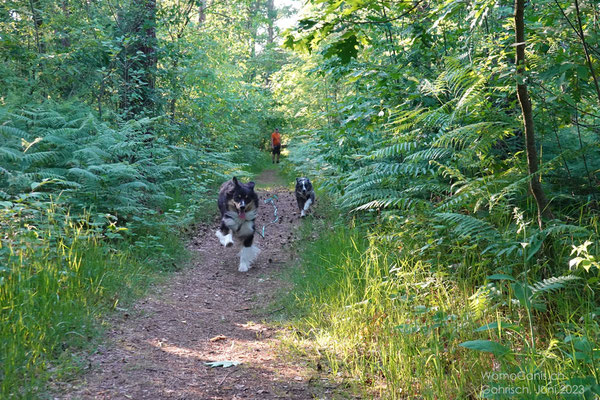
x=238, y=204
x=305, y=195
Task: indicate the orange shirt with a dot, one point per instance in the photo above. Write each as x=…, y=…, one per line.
x=275, y=139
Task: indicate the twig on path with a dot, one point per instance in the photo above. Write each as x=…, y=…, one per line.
x=226, y=376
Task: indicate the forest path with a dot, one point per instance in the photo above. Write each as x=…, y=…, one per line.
x=210, y=312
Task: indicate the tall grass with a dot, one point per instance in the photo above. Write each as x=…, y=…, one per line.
x=403, y=315
x=60, y=274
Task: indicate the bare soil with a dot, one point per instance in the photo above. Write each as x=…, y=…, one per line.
x=157, y=349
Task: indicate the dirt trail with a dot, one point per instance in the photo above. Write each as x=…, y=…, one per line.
x=210, y=312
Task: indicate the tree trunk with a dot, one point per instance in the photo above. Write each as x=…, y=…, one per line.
x=252, y=29
x=535, y=183
x=271, y=16
x=65, y=39
x=389, y=36
x=38, y=21
x=201, y=12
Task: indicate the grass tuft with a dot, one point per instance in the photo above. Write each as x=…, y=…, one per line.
x=61, y=276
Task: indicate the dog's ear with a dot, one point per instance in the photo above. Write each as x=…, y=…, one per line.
x=250, y=185
x=235, y=181
x=297, y=180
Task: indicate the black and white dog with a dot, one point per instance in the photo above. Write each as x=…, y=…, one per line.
x=238, y=204
x=305, y=195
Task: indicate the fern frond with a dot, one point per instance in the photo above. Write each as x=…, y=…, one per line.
x=403, y=203
x=82, y=174
x=388, y=169
x=395, y=150
x=10, y=154
x=468, y=226
x=479, y=302
x=480, y=135
x=11, y=131
x=40, y=157
x=562, y=229
x=135, y=185
x=552, y=284
x=429, y=154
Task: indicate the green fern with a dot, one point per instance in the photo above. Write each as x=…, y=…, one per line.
x=551, y=284
x=466, y=226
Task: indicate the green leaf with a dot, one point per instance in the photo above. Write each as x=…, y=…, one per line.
x=523, y=294
x=306, y=24
x=408, y=328
x=499, y=277
x=289, y=42
x=534, y=247
x=487, y=346
x=345, y=49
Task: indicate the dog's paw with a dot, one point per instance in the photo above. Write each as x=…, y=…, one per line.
x=226, y=240
x=303, y=214
x=220, y=236
x=244, y=267
x=247, y=257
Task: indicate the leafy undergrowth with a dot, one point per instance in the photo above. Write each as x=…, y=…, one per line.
x=89, y=216
x=60, y=276
x=406, y=313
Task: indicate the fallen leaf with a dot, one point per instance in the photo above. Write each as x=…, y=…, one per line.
x=224, y=364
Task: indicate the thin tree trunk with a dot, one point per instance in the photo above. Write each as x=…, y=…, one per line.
x=65, y=40
x=535, y=183
x=252, y=29
x=201, y=12
x=585, y=164
x=271, y=15
x=579, y=31
x=585, y=50
x=173, y=105
x=149, y=43
x=390, y=36
x=100, y=94
x=37, y=24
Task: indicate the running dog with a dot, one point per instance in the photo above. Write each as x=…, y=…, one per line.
x=305, y=195
x=238, y=204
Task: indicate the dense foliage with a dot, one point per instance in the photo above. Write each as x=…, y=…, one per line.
x=408, y=115
x=117, y=122
x=460, y=140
